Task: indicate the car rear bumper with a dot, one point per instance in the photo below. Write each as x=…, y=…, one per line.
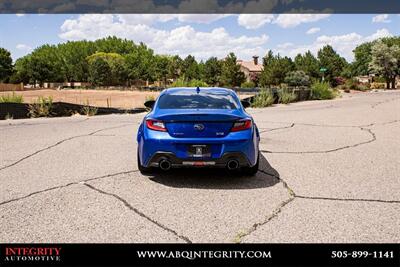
x=193, y=162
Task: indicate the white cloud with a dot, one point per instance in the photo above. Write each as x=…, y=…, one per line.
x=293, y=20
x=383, y=18
x=254, y=21
x=150, y=19
x=313, y=30
x=182, y=40
x=343, y=44
x=24, y=47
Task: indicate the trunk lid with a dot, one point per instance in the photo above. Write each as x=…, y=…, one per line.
x=199, y=123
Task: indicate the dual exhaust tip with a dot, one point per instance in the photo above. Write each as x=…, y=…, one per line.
x=231, y=165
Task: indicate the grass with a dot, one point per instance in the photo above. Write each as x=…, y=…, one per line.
x=264, y=99
x=321, y=91
x=286, y=97
x=88, y=110
x=41, y=108
x=11, y=98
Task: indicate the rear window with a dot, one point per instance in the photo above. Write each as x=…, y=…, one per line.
x=189, y=100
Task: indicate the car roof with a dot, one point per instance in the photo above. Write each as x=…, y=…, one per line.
x=210, y=90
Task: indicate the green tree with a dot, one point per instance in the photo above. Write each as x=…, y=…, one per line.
x=174, y=67
x=190, y=68
x=275, y=69
x=385, y=61
x=6, y=66
x=141, y=64
x=332, y=62
x=230, y=73
x=212, y=71
x=161, y=68
x=308, y=63
x=116, y=66
x=99, y=71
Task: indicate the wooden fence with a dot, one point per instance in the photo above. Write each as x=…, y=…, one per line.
x=11, y=87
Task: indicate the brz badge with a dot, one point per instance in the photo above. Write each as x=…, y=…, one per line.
x=198, y=127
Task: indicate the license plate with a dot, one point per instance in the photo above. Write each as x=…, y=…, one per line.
x=199, y=151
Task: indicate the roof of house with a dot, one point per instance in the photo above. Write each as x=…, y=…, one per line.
x=250, y=65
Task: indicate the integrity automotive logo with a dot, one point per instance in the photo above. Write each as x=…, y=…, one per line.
x=31, y=254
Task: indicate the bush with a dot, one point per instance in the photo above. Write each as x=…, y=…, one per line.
x=248, y=85
x=88, y=110
x=264, y=99
x=379, y=80
x=376, y=85
x=13, y=98
x=285, y=96
x=41, y=108
x=321, y=90
x=181, y=82
x=297, y=78
x=351, y=84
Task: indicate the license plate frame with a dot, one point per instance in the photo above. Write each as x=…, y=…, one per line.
x=199, y=151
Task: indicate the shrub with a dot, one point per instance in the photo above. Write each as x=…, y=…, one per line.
x=181, y=82
x=149, y=98
x=321, y=90
x=376, y=85
x=351, y=84
x=13, y=98
x=285, y=96
x=41, y=108
x=248, y=85
x=88, y=110
x=264, y=99
x=297, y=78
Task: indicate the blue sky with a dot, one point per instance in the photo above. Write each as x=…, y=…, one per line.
x=203, y=35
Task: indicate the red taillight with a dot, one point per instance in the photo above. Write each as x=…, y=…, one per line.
x=156, y=125
x=241, y=125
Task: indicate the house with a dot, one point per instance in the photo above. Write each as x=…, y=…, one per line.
x=250, y=68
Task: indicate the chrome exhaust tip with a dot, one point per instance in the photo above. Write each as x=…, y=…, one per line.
x=165, y=165
x=232, y=164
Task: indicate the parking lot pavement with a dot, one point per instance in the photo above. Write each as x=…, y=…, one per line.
x=329, y=172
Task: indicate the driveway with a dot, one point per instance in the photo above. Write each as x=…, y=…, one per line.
x=330, y=172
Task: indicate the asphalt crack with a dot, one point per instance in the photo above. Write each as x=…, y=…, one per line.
x=138, y=212
x=238, y=238
x=279, y=128
x=59, y=143
x=349, y=199
x=292, y=196
x=372, y=139
x=66, y=185
x=384, y=102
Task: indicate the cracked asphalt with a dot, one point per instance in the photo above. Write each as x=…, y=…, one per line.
x=329, y=172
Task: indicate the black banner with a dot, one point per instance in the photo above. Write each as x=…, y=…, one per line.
x=199, y=255
x=199, y=6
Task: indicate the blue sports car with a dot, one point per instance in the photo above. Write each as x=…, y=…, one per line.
x=198, y=127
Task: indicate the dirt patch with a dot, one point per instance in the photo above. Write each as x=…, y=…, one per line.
x=98, y=98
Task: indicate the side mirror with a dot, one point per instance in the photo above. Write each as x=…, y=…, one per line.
x=149, y=104
x=245, y=103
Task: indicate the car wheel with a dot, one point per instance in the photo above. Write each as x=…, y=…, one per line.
x=143, y=170
x=251, y=171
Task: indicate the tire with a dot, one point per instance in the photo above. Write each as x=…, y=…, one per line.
x=251, y=171
x=144, y=170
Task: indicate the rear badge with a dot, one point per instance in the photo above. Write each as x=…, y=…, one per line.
x=198, y=127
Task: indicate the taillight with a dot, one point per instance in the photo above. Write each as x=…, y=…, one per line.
x=156, y=125
x=241, y=125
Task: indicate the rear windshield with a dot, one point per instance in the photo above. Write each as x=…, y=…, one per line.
x=189, y=100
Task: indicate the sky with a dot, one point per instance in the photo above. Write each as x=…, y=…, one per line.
x=203, y=35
